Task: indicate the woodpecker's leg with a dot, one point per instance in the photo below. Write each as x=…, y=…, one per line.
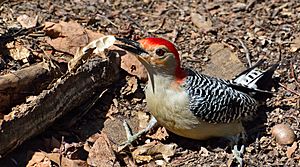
x=234, y=140
x=237, y=154
x=131, y=138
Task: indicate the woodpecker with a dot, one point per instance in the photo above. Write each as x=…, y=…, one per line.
x=191, y=104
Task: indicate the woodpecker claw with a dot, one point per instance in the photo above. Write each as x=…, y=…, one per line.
x=237, y=154
x=234, y=140
x=131, y=138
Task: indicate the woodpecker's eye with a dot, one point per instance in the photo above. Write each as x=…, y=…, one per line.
x=160, y=52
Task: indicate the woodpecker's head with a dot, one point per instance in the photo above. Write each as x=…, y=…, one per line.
x=158, y=55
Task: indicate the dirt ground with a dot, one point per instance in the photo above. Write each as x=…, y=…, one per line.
x=254, y=28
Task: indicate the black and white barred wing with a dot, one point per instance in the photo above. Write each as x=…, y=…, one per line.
x=214, y=101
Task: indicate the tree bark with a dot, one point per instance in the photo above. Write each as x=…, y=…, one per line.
x=16, y=86
x=66, y=94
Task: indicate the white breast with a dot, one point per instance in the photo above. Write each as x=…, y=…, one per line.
x=170, y=107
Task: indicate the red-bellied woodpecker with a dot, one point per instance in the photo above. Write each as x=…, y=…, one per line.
x=191, y=104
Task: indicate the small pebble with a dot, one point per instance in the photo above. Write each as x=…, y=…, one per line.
x=283, y=134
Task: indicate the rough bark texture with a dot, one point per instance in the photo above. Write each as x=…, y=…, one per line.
x=14, y=87
x=69, y=92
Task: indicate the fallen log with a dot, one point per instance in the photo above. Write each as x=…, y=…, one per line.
x=66, y=94
x=16, y=86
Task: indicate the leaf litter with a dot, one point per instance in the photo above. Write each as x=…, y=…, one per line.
x=245, y=20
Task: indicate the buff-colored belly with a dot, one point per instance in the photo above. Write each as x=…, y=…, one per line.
x=171, y=111
x=202, y=130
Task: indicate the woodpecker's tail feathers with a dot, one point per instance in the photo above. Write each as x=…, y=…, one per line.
x=256, y=82
x=255, y=78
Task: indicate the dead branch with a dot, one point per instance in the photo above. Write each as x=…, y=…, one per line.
x=246, y=51
x=290, y=90
x=14, y=87
x=68, y=93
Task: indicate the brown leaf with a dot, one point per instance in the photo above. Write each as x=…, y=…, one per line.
x=130, y=87
x=203, y=23
x=69, y=36
x=65, y=162
x=79, y=59
x=39, y=159
x=295, y=44
x=147, y=151
x=92, y=139
x=160, y=134
x=18, y=51
x=143, y=119
x=102, y=154
x=290, y=150
x=133, y=66
x=224, y=63
x=112, y=110
x=26, y=21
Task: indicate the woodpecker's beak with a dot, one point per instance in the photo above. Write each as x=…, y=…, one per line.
x=131, y=46
x=135, y=47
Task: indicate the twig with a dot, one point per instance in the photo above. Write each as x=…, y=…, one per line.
x=160, y=26
x=151, y=4
x=2, y=2
x=61, y=150
x=250, y=4
x=288, y=89
x=293, y=74
x=111, y=22
x=246, y=51
x=25, y=31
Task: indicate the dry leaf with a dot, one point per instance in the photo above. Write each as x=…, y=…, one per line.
x=92, y=139
x=65, y=162
x=143, y=158
x=112, y=110
x=160, y=134
x=69, y=36
x=290, y=150
x=203, y=152
x=39, y=159
x=96, y=47
x=295, y=45
x=224, y=64
x=27, y=22
x=203, y=23
x=149, y=150
x=100, y=44
x=130, y=87
x=143, y=119
x=161, y=162
x=102, y=154
x=133, y=66
x=79, y=59
x=17, y=51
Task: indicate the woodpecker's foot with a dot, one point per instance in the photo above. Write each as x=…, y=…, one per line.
x=237, y=154
x=233, y=143
x=131, y=138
